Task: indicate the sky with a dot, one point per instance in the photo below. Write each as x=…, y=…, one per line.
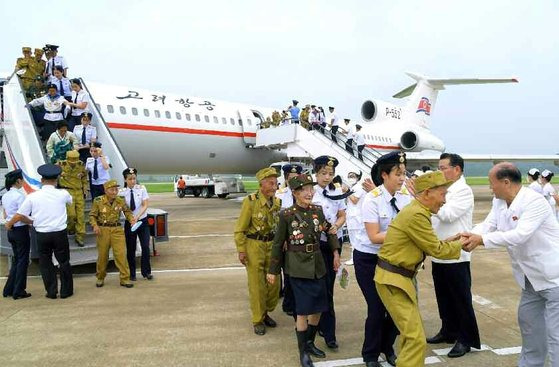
x=267, y=53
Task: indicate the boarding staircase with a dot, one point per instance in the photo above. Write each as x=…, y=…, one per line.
x=23, y=149
x=300, y=144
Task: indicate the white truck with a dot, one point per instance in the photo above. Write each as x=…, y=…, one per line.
x=208, y=186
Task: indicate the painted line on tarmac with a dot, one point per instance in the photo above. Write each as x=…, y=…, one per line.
x=484, y=301
x=359, y=361
x=444, y=351
x=507, y=351
x=204, y=235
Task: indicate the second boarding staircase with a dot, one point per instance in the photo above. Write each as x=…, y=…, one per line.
x=23, y=149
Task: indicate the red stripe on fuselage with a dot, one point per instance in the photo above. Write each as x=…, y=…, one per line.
x=382, y=146
x=182, y=130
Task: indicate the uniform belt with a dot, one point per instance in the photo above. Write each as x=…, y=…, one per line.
x=258, y=237
x=308, y=248
x=395, y=269
x=109, y=225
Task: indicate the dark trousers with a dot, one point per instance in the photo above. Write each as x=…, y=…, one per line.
x=288, y=304
x=143, y=234
x=453, y=284
x=48, y=128
x=334, y=131
x=84, y=154
x=327, y=324
x=73, y=121
x=380, y=331
x=96, y=190
x=57, y=243
x=359, y=150
x=17, y=279
x=349, y=145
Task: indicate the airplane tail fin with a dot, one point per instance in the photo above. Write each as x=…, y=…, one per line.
x=424, y=94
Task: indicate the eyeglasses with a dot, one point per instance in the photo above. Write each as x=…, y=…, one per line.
x=444, y=168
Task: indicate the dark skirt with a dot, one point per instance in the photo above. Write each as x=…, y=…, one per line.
x=310, y=295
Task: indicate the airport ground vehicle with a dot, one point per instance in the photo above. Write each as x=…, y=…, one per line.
x=208, y=186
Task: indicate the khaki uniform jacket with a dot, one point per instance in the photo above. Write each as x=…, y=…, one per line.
x=25, y=63
x=73, y=177
x=409, y=238
x=301, y=227
x=257, y=217
x=104, y=212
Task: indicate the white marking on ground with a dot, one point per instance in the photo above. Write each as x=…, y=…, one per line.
x=204, y=235
x=507, y=351
x=358, y=361
x=484, y=301
x=444, y=351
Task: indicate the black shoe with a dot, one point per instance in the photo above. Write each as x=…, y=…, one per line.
x=311, y=348
x=133, y=278
x=51, y=296
x=304, y=357
x=259, y=329
x=66, y=295
x=127, y=285
x=458, y=350
x=269, y=322
x=22, y=295
x=373, y=364
x=332, y=344
x=149, y=277
x=6, y=295
x=391, y=359
x=440, y=338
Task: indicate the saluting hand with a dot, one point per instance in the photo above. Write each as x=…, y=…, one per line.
x=271, y=278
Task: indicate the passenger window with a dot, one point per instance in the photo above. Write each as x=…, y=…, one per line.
x=179, y=116
x=168, y=114
x=123, y=110
x=224, y=120
x=157, y=113
x=240, y=122
x=206, y=118
x=134, y=111
x=197, y=117
x=216, y=120
x=146, y=112
x=187, y=115
x=110, y=109
x=232, y=121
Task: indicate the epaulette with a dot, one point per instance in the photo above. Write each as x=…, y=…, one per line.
x=253, y=197
x=62, y=163
x=404, y=191
x=98, y=198
x=316, y=207
x=283, y=190
x=376, y=192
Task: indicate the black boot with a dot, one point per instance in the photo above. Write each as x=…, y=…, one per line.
x=304, y=357
x=311, y=348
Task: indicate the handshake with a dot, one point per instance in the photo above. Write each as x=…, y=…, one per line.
x=468, y=240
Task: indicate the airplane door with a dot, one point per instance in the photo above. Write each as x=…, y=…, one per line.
x=249, y=124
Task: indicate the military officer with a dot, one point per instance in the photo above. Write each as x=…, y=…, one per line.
x=105, y=220
x=254, y=233
x=300, y=227
x=74, y=179
x=25, y=64
x=304, y=117
x=266, y=123
x=98, y=166
x=38, y=68
x=276, y=118
x=408, y=239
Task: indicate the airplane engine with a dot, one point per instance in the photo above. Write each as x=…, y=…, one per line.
x=412, y=141
x=374, y=111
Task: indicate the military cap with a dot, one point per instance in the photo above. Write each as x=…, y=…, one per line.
x=313, y=106
x=547, y=173
x=300, y=181
x=39, y=51
x=347, y=120
x=14, y=175
x=292, y=168
x=129, y=171
x=51, y=47
x=395, y=157
x=331, y=108
x=72, y=155
x=86, y=114
x=326, y=160
x=266, y=172
x=110, y=183
x=49, y=171
x=295, y=101
x=533, y=171
x=431, y=180
x=97, y=144
x=52, y=86
x=357, y=126
x=26, y=49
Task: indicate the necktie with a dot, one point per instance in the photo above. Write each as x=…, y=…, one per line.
x=95, y=172
x=132, y=203
x=61, y=88
x=83, y=136
x=393, y=204
x=337, y=197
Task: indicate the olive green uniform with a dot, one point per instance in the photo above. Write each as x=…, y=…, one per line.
x=106, y=215
x=304, y=118
x=409, y=238
x=26, y=63
x=276, y=118
x=74, y=179
x=254, y=233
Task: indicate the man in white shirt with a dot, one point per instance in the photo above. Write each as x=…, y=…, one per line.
x=452, y=278
x=350, y=135
x=54, y=60
x=47, y=209
x=98, y=165
x=360, y=141
x=86, y=135
x=334, y=124
x=521, y=221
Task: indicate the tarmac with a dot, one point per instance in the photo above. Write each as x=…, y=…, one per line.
x=195, y=312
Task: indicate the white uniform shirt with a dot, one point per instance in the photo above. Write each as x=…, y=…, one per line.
x=330, y=207
x=53, y=106
x=66, y=85
x=314, y=118
x=377, y=209
x=530, y=233
x=359, y=138
x=351, y=131
x=286, y=197
x=47, y=209
x=90, y=132
x=333, y=119
x=81, y=96
x=11, y=201
x=140, y=194
x=455, y=216
x=354, y=220
x=53, y=62
x=103, y=175
x=535, y=185
x=548, y=192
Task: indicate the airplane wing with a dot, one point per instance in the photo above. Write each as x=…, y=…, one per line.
x=417, y=160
